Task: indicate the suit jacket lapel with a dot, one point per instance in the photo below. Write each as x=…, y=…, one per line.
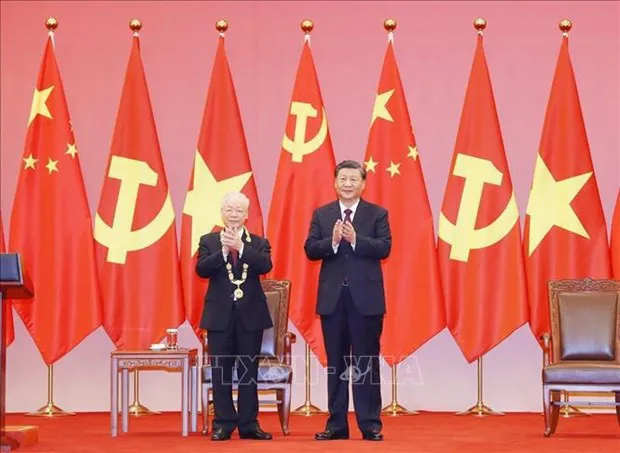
x=335, y=213
x=360, y=214
x=246, y=244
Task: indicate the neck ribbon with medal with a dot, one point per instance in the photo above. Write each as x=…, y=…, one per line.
x=238, y=293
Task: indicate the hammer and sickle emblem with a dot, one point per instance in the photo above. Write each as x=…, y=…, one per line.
x=463, y=236
x=299, y=147
x=120, y=238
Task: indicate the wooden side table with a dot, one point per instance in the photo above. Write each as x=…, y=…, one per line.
x=184, y=360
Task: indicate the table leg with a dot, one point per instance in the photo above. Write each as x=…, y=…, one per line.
x=125, y=399
x=184, y=396
x=194, y=401
x=114, y=398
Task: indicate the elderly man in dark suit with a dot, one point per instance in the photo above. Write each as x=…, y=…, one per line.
x=234, y=316
x=351, y=237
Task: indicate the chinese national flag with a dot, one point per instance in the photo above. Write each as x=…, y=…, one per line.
x=51, y=224
x=135, y=228
x=304, y=181
x=415, y=310
x=9, y=333
x=615, y=239
x=565, y=230
x=479, y=246
x=221, y=164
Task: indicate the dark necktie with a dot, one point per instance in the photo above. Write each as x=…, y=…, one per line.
x=347, y=215
x=234, y=254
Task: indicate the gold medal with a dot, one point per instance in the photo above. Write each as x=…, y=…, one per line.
x=238, y=293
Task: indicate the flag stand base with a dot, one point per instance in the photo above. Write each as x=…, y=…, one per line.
x=394, y=409
x=50, y=409
x=308, y=409
x=136, y=409
x=569, y=411
x=480, y=409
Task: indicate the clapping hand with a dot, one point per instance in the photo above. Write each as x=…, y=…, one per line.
x=337, y=233
x=230, y=240
x=348, y=232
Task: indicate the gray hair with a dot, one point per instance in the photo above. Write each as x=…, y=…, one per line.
x=232, y=197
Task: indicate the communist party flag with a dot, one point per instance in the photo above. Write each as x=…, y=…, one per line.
x=565, y=230
x=51, y=224
x=615, y=239
x=221, y=165
x=134, y=226
x=415, y=311
x=479, y=246
x=304, y=181
x=9, y=333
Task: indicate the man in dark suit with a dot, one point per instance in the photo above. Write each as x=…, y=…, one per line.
x=351, y=237
x=234, y=316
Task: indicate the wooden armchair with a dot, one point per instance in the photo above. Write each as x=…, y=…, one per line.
x=275, y=371
x=582, y=352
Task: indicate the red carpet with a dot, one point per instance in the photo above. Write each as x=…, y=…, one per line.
x=429, y=432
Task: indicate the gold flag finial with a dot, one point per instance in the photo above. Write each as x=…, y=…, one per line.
x=307, y=26
x=480, y=24
x=135, y=25
x=389, y=25
x=51, y=23
x=565, y=26
x=221, y=26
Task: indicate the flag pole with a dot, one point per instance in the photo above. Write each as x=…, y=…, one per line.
x=307, y=409
x=50, y=409
x=394, y=408
x=479, y=409
x=137, y=409
x=567, y=410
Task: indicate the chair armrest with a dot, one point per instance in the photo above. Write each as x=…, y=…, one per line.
x=205, y=350
x=289, y=339
x=546, y=338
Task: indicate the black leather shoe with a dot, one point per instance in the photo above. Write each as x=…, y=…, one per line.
x=328, y=434
x=220, y=434
x=256, y=434
x=372, y=435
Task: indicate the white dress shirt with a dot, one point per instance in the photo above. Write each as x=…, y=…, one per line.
x=353, y=208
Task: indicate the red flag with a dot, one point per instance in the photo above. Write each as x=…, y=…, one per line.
x=565, y=230
x=51, y=224
x=135, y=228
x=615, y=239
x=221, y=164
x=9, y=333
x=304, y=181
x=415, y=311
x=480, y=252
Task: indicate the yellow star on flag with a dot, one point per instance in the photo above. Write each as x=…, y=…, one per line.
x=393, y=169
x=380, y=109
x=549, y=204
x=370, y=165
x=29, y=162
x=413, y=152
x=203, y=201
x=51, y=165
x=71, y=150
x=39, y=106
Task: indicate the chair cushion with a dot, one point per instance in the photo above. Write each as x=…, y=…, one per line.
x=269, y=371
x=582, y=372
x=588, y=325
